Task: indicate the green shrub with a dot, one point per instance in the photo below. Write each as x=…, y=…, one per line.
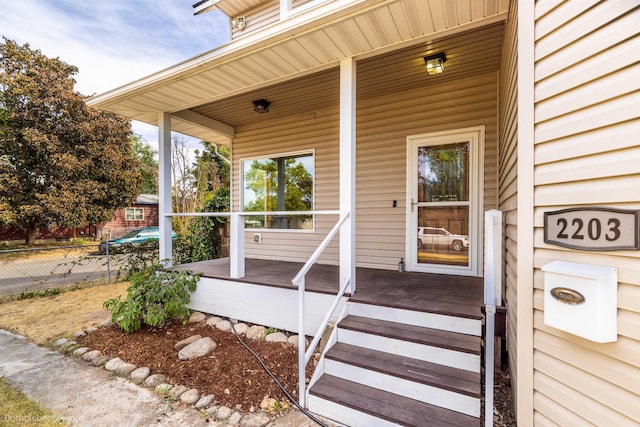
x=154, y=296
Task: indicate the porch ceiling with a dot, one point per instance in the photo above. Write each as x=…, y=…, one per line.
x=269, y=63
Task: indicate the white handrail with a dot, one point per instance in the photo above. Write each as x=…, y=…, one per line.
x=300, y=281
x=321, y=247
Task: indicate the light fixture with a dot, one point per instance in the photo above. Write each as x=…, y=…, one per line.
x=435, y=63
x=261, y=106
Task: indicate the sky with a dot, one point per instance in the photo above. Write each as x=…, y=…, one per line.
x=114, y=42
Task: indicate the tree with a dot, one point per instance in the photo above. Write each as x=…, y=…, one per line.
x=66, y=164
x=149, y=165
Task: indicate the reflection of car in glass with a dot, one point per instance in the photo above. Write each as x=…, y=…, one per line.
x=432, y=236
x=131, y=239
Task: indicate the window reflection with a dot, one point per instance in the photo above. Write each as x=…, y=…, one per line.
x=279, y=184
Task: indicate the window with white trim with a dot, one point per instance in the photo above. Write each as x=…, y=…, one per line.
x=278, y=184
x=134, y=214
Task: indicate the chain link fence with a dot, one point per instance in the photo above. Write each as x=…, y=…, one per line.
x=24, y=271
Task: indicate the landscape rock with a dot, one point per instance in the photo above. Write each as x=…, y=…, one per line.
x=185, y=342
x=78, y=352
x=59, y=342
x=223, y=412
x=256, y=333
x=154, y=380
x=241, y=328
x=190, y=397
x=105, y=323
x=276, y=337
x=197, y=317
x=268, y=403
x=91, y=355
x=200, y=348
x=79, y=334
x=124, y=369
x=100, y=360
x=112, y=364
x=140, y=374
x=293, y=340
x=91, y=329
x=177, y=390
x=205, y=401
x=255, y=420
x=67, y=345
x=224, y=325
x=234, y=419
x=213, y=320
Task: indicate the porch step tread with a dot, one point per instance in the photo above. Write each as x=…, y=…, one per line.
x=386, y=405
x=417, y=334
x=431, y=374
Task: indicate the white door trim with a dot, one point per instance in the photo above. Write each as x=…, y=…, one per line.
x=476, y=136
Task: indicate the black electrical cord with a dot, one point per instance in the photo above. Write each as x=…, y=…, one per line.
x=289, y=396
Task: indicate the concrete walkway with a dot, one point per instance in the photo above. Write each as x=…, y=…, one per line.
x=87, y=396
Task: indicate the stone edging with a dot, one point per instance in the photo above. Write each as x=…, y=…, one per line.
x=142, y=376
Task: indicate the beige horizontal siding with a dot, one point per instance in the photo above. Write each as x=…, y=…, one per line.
x=260, y=17
x=507, y=188
x=383, y=124
x=587, y=122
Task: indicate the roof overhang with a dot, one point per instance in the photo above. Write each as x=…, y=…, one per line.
x=307, y=43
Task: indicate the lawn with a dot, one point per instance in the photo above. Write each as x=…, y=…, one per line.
x=45, y=319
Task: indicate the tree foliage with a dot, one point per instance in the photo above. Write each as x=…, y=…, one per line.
x=65, y=163
x=148, y=165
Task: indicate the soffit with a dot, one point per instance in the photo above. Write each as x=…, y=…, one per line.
x=470, y=53
x=307, y=44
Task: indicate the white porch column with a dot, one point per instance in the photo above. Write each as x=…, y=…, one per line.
x=164, y=186
x=348, y=171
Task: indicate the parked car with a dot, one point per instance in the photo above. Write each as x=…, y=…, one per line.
x=432, y=236
x=134, y=238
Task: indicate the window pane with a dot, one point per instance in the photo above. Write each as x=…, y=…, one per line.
x=442, y=173
x=279, y=184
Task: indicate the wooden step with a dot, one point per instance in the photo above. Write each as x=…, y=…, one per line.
x=432, y=374
x=417, y=334
x=468, y=325
x=430, y=345
x=329, y=392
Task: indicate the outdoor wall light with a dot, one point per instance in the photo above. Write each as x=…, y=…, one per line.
x=261, y=106
x=435, y=63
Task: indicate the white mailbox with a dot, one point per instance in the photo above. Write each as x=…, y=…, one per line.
x=581, y=299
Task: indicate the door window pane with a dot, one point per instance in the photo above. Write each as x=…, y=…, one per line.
x=442, y=173
x=443, y=235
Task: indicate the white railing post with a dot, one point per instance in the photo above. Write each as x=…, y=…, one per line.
x=236, y=247
x=492, y=297
x=302, y=363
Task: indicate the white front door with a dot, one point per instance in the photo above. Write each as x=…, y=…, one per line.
x=444, y=196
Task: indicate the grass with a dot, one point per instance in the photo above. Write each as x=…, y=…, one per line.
x=47, y=318
x=16, y=410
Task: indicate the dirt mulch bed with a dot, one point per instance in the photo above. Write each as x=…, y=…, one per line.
x=230, y=373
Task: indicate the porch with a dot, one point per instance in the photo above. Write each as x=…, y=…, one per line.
x=459, y=296
x=411, y=340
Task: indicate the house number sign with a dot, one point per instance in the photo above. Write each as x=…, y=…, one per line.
x=592, y=229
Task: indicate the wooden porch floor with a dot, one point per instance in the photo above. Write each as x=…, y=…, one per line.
x=434, y=293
